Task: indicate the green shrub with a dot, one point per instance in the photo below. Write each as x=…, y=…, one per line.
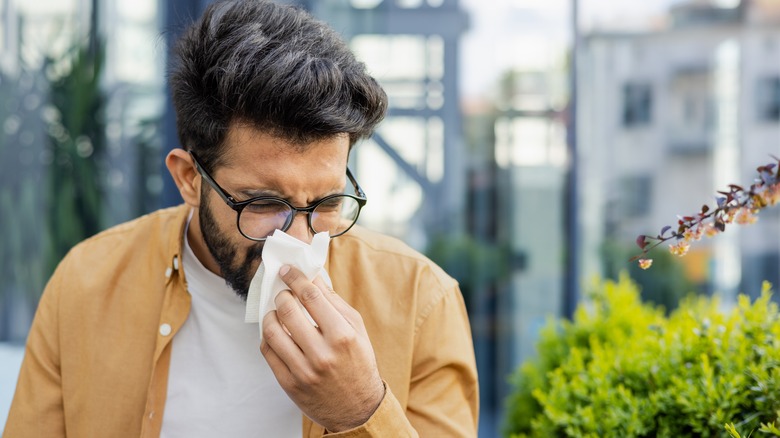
x=624, y=369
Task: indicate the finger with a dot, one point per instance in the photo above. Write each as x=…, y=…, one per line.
x=293, y=318
x=277, y=365
x=319, y=282
x=282, y=344
x=348, y=312
x=313, y=299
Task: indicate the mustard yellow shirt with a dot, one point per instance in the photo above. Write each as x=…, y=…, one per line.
x=98, y=353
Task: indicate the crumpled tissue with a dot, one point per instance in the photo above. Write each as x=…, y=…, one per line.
x=282, y=249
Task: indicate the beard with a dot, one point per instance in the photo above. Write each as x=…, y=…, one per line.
x=234, y=263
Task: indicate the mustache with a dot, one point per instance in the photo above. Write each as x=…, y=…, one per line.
x=255, y=251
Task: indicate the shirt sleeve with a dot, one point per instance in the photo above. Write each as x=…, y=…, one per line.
x=37, y=409
x=388, y=420
x=443, y=394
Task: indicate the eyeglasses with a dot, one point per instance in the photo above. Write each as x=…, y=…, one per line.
x=257, y=218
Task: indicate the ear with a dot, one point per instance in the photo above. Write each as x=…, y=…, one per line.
x=186, y=177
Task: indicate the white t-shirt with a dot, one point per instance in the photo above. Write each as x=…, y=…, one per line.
x=219, y=383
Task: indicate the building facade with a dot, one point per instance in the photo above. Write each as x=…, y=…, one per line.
x=669, y=117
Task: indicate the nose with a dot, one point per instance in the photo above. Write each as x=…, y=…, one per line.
x=300, y=227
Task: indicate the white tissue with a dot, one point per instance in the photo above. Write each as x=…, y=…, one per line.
x=282, y=249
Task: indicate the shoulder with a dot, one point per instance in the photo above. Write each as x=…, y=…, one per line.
x=385, y=278
x=388, y=253
x=129, y=253
x=160, y=222
x=161, y=227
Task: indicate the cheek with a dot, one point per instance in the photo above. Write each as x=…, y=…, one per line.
x=222, y=216
x=243, y=248
x=228, y=228
x=220, y=223
x=239, y=244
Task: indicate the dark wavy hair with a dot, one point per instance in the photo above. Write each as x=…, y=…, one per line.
x=274, y=67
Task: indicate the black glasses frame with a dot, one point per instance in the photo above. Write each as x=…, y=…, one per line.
x=239, y=206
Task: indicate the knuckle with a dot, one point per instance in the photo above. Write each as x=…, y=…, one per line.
x=310, y=294
x=286, y=308
x=323, y=363
x=344, y=340
x=307, y=379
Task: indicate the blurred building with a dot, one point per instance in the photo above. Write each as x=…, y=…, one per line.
x=414, y=164
x=80, y=81
x=516, y=138
x=669, y=117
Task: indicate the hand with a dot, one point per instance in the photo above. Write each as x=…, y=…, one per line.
x=329, y=371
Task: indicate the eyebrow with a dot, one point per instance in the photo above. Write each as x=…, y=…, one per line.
x=249, y=194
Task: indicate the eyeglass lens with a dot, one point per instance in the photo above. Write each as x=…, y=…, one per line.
x=334, y=215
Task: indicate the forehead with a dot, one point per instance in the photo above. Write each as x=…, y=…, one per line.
x=255, y=160
x=245, y=144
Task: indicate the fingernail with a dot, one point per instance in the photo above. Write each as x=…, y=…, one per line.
x=284, y=270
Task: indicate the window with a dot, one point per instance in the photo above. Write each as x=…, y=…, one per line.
x=637, y=104
x=768, y=99
x=689, y=112
x=635, y=196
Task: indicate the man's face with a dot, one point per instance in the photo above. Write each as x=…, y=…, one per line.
x=257, y=164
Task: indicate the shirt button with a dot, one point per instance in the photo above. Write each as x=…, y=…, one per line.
x=165, y=329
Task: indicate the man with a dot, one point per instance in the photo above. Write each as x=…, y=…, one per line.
x=139, y=331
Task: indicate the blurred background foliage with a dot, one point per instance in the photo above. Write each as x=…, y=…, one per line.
x=474, y=264
x=77, y=147
x=54, y=200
